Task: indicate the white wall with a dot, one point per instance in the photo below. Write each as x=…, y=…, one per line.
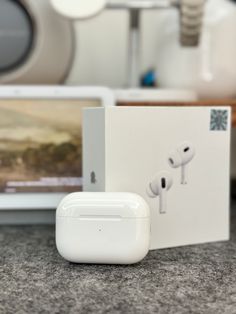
x=102, y=47
x=101, y=52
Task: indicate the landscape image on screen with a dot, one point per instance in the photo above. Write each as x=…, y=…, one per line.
x=41, y=145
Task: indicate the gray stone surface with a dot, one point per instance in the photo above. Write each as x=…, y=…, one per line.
x=35, y=279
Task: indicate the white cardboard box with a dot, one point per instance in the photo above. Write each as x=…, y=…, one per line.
x=125, y=147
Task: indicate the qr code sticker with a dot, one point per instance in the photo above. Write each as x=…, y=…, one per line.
x=219, y=120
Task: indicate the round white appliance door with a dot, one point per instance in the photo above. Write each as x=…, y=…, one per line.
x=16, y=35
x=36, y=43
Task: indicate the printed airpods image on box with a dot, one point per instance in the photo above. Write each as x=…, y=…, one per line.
x=159, y=186
x=181, y=157
x=170, y=156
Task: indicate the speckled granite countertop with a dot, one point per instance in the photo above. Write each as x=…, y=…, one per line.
x=35, y=279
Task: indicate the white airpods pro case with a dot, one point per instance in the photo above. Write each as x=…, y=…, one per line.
x=107, y=228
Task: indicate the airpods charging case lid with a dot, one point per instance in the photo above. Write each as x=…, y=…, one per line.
x=107, y=228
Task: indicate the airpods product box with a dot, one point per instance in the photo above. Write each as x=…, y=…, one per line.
x=176, y=158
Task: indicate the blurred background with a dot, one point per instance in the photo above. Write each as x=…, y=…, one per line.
x=122, y=44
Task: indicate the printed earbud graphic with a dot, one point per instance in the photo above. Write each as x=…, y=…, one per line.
x=159, y=186
x=180, y=157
